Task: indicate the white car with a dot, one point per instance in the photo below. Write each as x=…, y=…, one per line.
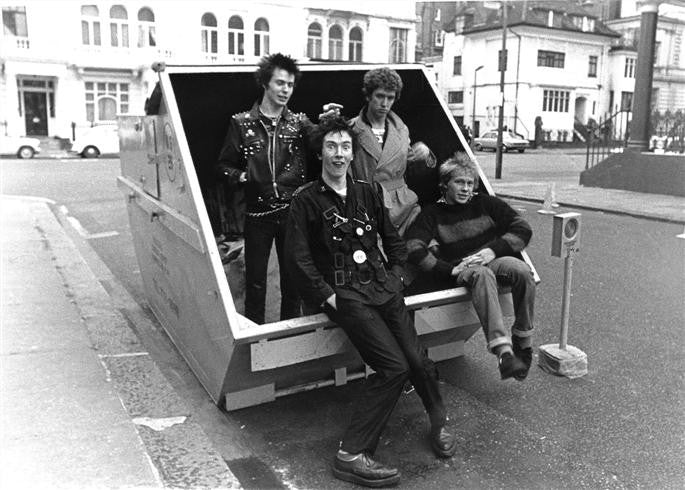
x=510, y=141
x=21, y=146
x=97, y=141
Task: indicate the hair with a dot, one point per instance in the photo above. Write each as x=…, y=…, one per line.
x=268, y=64
x=333, y=124
x=457, y=164
x=383, y=78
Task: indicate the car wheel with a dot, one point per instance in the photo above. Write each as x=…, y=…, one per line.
x=90, y=152
x=25, y=152
x=521, y=150
x=478, y=147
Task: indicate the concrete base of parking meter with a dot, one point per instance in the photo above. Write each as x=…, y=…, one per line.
x=570, y=362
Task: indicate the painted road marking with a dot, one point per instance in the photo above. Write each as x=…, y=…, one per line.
x=76, y=225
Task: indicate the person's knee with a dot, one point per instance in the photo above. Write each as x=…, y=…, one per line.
x=483, y=274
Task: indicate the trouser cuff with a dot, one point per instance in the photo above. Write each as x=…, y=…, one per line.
x=504, y=340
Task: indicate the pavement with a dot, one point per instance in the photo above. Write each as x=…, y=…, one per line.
x=83, y=404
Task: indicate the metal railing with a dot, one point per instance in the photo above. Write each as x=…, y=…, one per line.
x=606, y=136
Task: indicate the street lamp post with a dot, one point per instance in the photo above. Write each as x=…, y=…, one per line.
x=500, y=123
x=473, y=114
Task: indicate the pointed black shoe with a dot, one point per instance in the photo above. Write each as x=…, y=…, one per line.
x=511, y=366
x=443, y=442
x=365, y=471
x=526, y=356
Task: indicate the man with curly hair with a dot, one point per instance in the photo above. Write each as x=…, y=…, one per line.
x=384, y=146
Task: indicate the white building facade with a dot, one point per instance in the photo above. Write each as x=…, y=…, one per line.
x=65, y=66
x=558, y=68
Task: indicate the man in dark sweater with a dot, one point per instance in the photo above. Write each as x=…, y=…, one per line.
x=469, y=239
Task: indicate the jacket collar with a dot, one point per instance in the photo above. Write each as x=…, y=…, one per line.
x=368, y=141
x=287, y=114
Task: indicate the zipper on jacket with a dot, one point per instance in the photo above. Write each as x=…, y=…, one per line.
x=271, y=156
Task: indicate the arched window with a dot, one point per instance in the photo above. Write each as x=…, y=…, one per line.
x=118, y=26
x=261, y=37
x=209, y=33
x=146, y=28
x=335, y=42
x=356, y=43
x=314, y=33
x=236, y=36
x=90, y=25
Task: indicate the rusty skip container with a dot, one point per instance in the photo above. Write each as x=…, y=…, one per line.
x=177, y=208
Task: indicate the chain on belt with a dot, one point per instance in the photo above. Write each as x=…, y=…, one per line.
x=276, y=209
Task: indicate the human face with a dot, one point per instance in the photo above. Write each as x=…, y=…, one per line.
x=280, y=88
x=380, y=103
x=460, y=188
x=336, y=155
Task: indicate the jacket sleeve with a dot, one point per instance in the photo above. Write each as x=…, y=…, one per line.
x=231, y=162
x=513, y=231
x=394, y=246
x=312, y=162
x=420, y=236
x=300, y=263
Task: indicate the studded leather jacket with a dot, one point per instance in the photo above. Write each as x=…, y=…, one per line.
x=332, y=246
x=274, y=159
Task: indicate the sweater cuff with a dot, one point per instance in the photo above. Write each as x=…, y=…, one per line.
x=443, y=269
x=500, y=247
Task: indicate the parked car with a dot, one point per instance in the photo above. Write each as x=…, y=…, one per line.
x=510, y=141
x=97, y=141
x=21, y=146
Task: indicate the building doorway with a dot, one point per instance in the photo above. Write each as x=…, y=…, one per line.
x=36, y=113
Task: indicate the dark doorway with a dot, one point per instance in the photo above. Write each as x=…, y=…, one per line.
x=36, y=113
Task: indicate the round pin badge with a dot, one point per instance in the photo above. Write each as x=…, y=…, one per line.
x=359, y=256
x=368, y=227
x=359, y=231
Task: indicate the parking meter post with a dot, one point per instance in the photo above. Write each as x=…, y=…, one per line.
x=566, y=301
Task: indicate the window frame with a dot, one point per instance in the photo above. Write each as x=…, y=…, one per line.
x=398, y=45
x=455, y=97
x=592, y=66
x=629, y=67
x=147, y=31
x=335, y=44
x=119, y=26
x=551, y=59
x=356, y=46
x=261, y=38
x=90, y=27
x=15, y=12
x=555, y=100
x=209, y=34
x=97, y=91
x=235, y=37
x=456, y=65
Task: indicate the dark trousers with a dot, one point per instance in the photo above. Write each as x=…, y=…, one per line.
x=260, y=233
x=386, y=339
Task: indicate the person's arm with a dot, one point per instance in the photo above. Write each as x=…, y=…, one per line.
x=231, y=163
x=514, y=232
x=310, y=282
x=394, y=246
x=419, y=236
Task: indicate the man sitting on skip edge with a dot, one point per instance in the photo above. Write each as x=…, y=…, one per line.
x=333, y=254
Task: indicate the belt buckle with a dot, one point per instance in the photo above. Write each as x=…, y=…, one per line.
x=365, y=276
x=339, y=278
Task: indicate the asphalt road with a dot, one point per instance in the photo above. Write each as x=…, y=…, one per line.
x=619, y=426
